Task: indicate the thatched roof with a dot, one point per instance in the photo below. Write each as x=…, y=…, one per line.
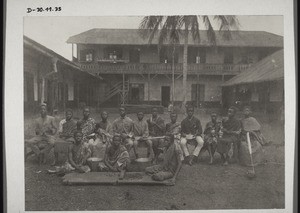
x=133, y=37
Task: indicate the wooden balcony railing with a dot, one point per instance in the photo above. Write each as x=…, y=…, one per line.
x=153, y=68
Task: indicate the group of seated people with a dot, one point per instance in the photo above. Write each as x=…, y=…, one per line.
x=124, y=134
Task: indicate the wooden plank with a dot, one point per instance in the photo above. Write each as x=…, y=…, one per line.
x=110, y=178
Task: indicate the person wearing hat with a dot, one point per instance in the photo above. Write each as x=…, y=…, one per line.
x=44, y=140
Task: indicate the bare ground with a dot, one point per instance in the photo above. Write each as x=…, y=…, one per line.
x=201, y=186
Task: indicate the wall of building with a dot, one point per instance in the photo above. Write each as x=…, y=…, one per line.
x=212, y=87
x=149, y=54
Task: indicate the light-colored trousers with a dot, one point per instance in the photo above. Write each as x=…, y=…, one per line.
x=199, y=145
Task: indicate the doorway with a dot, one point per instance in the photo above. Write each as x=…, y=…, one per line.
x=136, y=93
x=165, y=96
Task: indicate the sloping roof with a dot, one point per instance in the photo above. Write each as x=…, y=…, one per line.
x=270, y=68
x=132, y=37
x=46, y=51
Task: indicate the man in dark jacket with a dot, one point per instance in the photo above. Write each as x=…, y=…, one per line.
x=191, y=131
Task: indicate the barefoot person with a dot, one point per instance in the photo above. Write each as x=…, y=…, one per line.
x=141, y=134
x=211, y=133
x=156, y=127
x=231, y=129
x=173, y=128
x=171, y=164
x=66, y=130
x=78, y=154
x=45, y=130
x=251, y=131
x=191, y=131
x=116, y=157
x=124, y=127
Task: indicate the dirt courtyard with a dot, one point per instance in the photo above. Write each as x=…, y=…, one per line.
x=201, y=186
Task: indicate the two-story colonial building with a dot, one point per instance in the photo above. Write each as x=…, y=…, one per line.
x=135, y=72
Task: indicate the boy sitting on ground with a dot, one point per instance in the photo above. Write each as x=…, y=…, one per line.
x=171, y=164
x=78, y=153
x=116, y=157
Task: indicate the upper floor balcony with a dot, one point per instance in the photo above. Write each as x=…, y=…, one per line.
x=163, y=68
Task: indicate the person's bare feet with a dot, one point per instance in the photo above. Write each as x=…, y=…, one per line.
x=191, y=160
x=225, y=163
x=211, y=161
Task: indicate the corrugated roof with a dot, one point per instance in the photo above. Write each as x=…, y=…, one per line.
x=132, y=37
x=40, y=48
x=270, y=68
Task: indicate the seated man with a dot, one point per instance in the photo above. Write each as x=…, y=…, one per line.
x=191, y=131
x=116, y=157
x=86, y=125
x=66, y=130
x=173, y=128
x=171, y=164
x=141, y=133
x=156, y=127
x=211, y=133
x=104, y=126
x=124, y=127
x=45, y=130
x=78, y=154
x=231, y=129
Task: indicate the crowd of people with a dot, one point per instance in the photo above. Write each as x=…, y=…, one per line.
x=170, y=141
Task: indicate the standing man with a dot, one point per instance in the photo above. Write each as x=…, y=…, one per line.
x=124, y=126
x=191, y=131
x=45, y=130
x=141, y=133
x=86, y=124
x=156, y=127
x=231, y=133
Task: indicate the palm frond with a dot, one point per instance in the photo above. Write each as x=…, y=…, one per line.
x=195, y=29
x=149, y=27
x=227, y=23
x=211, y=35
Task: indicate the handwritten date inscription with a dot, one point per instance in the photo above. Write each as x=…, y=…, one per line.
x=44, y=9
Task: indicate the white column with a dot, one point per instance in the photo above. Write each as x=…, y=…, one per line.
x=43, y=91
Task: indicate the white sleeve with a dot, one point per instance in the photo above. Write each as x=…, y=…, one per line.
x=60, y=126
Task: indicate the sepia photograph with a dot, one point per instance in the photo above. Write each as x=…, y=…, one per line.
x=175, y=112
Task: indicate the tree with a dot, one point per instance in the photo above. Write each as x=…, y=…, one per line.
x=171, y=28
